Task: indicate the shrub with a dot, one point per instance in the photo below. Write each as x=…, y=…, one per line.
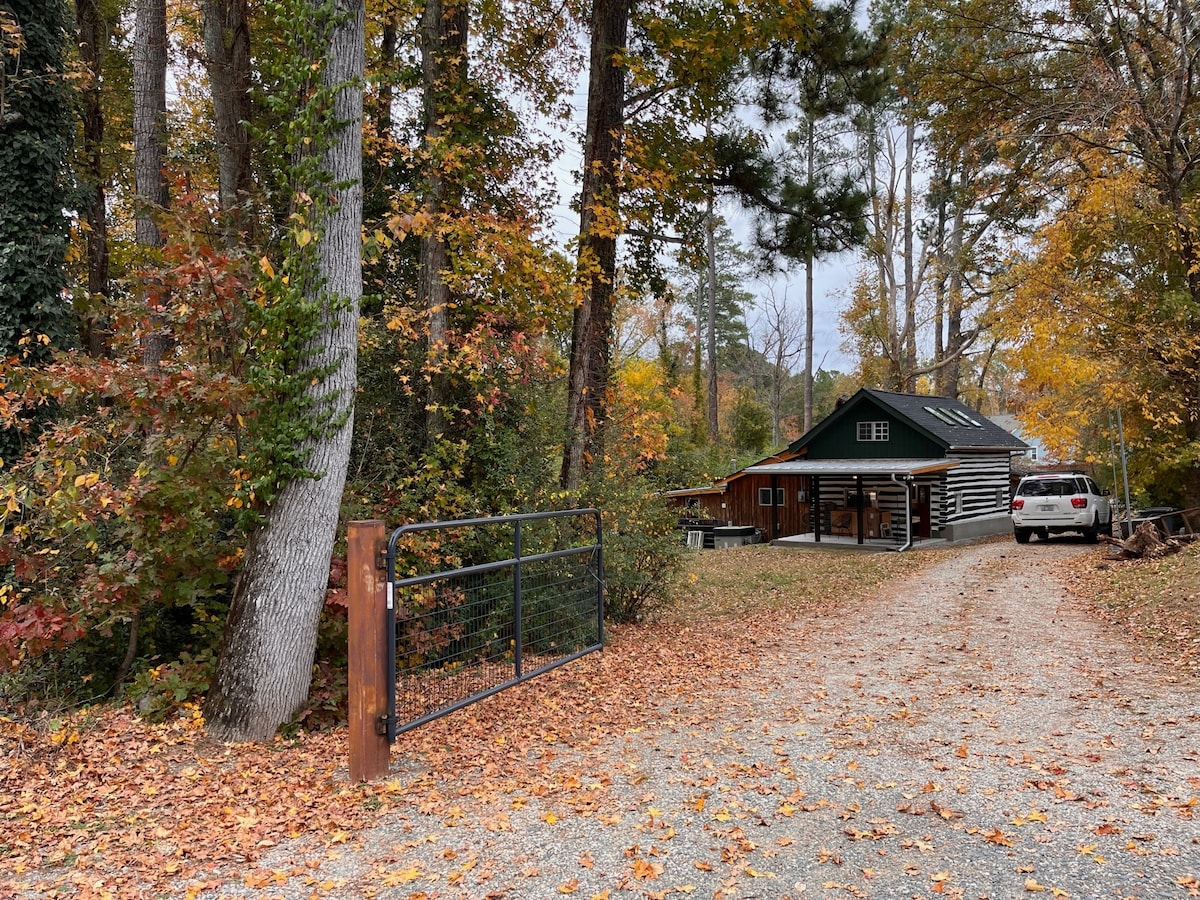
x=643, y=554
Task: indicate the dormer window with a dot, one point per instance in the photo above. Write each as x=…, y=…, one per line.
x=873, y=431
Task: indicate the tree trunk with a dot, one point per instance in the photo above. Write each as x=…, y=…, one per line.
x=150, y=149
x=443, y=71
x=387, y=65
x=710, y=251
x=227, y=57
x=699, y=430
x=883, y=222
x=940, y=278
x=150, y=118
x=909, y=384
x=265, y=666
x=808, y=291
x=591, y=331
x=956, y=340
x=95, y=211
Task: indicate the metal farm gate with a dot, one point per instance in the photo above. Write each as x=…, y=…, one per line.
x=511, y=597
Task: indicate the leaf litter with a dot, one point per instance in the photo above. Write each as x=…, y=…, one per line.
x=947, y=723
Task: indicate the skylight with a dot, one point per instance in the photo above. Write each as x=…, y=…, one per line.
x=954, y=417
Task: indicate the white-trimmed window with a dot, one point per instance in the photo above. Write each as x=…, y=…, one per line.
x=764, y=497
x=873, y=431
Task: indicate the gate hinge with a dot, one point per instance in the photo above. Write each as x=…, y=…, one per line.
x=381, y=560
x=381, y=724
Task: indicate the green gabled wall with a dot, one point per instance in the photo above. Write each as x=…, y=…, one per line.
x=837, y=438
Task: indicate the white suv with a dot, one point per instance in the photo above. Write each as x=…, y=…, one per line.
x=1054, y=502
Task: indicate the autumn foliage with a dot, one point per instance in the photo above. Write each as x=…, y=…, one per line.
x=131, y=497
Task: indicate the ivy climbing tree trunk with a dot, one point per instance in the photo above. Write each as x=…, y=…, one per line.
x=599, y=224
x=265, y=666
x=35, y=129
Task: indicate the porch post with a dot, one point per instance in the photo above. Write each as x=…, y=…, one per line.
x=859, y=501
x=774, y=506
x=815, y=517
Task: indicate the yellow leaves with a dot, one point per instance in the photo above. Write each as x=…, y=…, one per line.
x=64, y=736
x=400, y=876
x=1033, y=815
x=88, y=480
x=569, y=887
x=755, y=873
x=1090, y=850
x=550, y=818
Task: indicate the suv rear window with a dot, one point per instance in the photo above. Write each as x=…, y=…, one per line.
x=1042, y=488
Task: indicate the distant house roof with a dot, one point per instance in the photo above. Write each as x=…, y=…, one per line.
x=944, y=420
x=695, y=491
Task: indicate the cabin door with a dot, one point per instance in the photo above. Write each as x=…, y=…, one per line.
x=921, y=511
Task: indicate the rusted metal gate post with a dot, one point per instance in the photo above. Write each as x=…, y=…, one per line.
x=368, y=651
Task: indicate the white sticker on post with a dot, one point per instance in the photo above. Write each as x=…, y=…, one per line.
x=389, y=595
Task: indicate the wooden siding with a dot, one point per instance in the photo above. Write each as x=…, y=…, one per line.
x=742, y=506
x=739, y=505
x=978, y=486
x=840, y=440
x=698, y=506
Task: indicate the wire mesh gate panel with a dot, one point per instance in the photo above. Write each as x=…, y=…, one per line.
x=510, y=597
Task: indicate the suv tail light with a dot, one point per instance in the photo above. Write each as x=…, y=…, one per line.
x=1018, y=503
x=1079, y=502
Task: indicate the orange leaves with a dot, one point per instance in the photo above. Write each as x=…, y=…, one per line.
x=944, y=812
x=996, y=836
x=1032, y=886
x=645, y=870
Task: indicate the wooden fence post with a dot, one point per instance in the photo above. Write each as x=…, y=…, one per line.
x=367, y=676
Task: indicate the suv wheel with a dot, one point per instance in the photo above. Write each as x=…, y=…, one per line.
x=1092, y=535
x=1022, y=535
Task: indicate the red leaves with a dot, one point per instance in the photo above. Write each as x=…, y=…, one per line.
x=28, y=628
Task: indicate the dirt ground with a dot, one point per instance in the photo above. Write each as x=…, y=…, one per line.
x=970, y=731
x=947, y=722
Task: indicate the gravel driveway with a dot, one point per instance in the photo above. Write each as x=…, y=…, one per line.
x=971, y=732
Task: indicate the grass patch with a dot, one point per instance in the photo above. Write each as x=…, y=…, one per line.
x=1156, y=602
x=729, y=584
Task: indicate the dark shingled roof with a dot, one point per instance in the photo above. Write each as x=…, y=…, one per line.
x=950, y=422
